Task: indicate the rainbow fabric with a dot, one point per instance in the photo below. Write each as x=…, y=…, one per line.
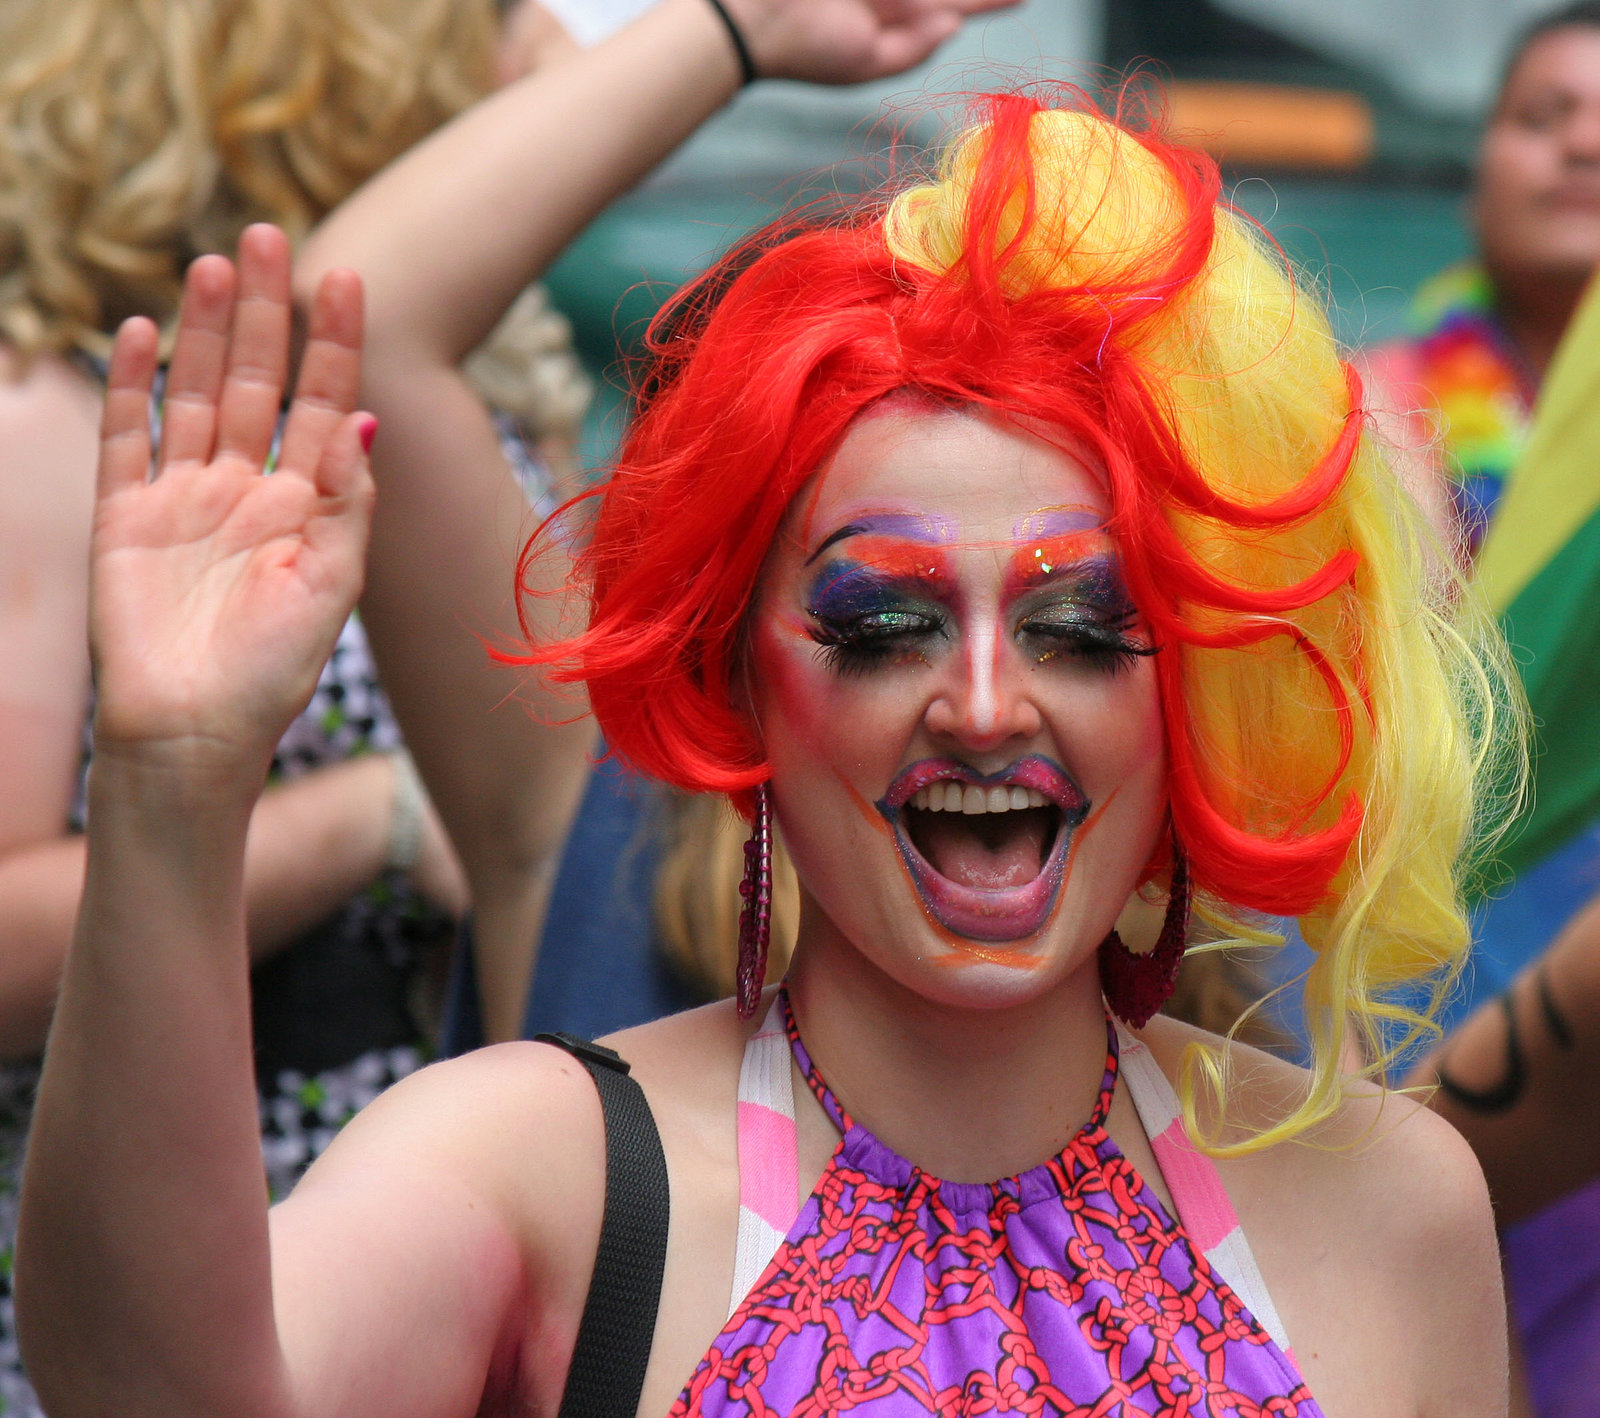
x=1539, y=567
x=1481, y=394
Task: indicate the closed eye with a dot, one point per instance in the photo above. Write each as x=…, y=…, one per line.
x=1083, y=632
x=875, y=638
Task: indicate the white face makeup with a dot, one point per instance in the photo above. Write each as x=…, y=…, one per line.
x=959, y=704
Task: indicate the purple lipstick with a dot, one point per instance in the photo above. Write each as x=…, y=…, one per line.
x=986, y=852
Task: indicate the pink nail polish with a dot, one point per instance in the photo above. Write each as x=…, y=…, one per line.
x=369, y=431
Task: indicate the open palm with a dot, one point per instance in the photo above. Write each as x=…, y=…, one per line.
x=217, y=592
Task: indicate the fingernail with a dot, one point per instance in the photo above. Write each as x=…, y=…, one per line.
x=369, y=431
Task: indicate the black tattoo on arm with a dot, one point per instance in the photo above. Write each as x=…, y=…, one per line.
x=1502, y=1096
x=1554, y=1020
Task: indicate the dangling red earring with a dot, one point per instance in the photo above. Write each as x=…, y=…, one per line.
x=1136, y=986
x=755, y=918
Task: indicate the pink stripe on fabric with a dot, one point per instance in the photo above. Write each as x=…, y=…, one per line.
x=769, y=1165
x=1203, y=1206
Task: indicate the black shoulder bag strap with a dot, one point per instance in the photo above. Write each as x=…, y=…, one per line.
x=619, y=1318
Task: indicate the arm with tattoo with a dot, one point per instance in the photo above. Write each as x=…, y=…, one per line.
x=1520, y=1079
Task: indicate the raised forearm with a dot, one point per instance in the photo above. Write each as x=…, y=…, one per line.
x=505, y=762
x=447, y=236
x=40, y=887
x=143, y=1277
x=505, y=941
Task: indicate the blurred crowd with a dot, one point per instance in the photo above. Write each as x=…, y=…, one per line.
x=443, y=857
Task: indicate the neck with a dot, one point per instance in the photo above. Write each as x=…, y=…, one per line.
x=967, y=1094
x=1535, y=310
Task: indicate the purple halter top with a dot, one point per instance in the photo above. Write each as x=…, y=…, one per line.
x=1065, y=1292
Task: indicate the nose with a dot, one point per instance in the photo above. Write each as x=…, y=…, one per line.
x=985, y=701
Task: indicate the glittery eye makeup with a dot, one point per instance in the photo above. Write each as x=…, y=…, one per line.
x=880, y=603
x=1037, y=559
x=1070, y=601
x=884, y=592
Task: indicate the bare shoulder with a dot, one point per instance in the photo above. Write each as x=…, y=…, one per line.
x=524, y=1123
x=519, y=1123
x=460, y=1212
x=523, y=1120
x=1382, y=1137
x=689, y=1060
x=1373, y=1229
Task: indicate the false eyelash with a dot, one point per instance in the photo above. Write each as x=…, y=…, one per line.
x=1113, y=656
x=854, y=648
x=1100, y=642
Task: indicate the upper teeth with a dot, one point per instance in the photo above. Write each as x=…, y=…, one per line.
x=949, y=796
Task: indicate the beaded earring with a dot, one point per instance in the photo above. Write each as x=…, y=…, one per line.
x=755, y=917
x=1136, y=986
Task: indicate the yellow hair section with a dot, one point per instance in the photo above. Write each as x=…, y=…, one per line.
x=1102, y=205
x=1251, y=382
x=138, y=134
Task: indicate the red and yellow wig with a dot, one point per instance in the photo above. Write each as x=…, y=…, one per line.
x=1326, y=715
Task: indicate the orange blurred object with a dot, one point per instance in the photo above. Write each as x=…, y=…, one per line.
x=1273, y=125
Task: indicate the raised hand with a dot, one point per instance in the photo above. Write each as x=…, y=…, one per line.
x=217, y=592
x=848, y=41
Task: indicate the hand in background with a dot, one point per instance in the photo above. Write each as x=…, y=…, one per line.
x=217, y=593
x=848, y=41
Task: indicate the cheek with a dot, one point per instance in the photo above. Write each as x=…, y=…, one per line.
x=1137, y=744
x=1144, y=745
x=1116, y=746
x=1119, y=847
x=1115, y=732
x=848, y=720
x=823, y=774
x=795, y=686
x=1515, y=166
x=819, y=775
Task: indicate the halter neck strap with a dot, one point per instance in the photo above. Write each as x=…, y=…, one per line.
x=844, y=1122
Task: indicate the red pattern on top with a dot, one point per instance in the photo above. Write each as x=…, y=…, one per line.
x=1067, y=1291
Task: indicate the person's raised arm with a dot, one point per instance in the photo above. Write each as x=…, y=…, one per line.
x=313, y=843
x=452, y=231
x=444, y=239
x=145, y=1281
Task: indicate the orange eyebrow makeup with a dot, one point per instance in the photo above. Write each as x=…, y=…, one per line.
x=1041, y=559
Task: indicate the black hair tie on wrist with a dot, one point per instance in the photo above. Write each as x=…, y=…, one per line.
x=747, y=64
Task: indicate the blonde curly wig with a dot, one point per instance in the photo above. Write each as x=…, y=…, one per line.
x=138, y=134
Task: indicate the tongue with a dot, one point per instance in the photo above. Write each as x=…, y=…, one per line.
x=986, y=851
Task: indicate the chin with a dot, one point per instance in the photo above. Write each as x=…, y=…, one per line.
x=959, y=979
x=913, y=949
x=1562, y=251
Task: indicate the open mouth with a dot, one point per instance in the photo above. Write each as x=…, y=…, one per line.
x=986, y=852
